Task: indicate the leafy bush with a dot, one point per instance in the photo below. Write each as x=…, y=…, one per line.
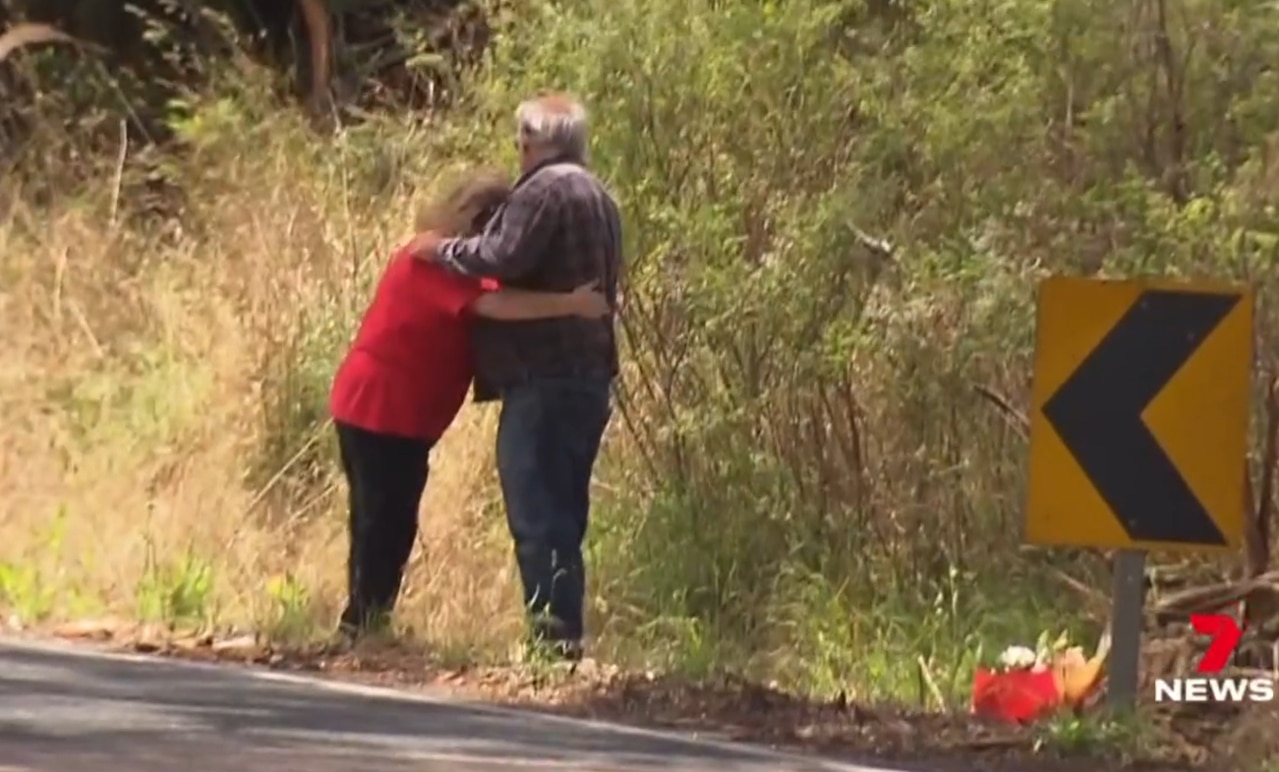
x=801, y=445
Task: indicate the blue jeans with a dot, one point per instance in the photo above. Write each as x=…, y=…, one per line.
x=548, y=438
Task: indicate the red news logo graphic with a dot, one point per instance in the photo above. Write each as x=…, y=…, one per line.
x=1225, y=633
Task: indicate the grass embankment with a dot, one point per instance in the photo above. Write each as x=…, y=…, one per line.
x=802, y=483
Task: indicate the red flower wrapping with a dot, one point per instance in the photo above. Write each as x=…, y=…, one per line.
x=1017, y=696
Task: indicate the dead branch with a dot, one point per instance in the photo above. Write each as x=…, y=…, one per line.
x=1215, y=597
x=1257, y=531
x=1260, y=608
x=1015, y=417
x=1098, y=602
x=319, y=30
x=30, y=33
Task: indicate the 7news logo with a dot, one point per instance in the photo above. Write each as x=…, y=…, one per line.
x=1208, y=685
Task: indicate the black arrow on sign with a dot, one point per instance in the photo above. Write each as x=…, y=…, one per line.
x=1097, y=414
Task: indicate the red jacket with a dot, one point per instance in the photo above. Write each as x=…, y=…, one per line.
x=409, y=369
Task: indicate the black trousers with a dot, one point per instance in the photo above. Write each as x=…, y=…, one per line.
x=386, y=476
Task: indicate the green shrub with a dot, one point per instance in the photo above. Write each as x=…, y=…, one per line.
x=803, y=452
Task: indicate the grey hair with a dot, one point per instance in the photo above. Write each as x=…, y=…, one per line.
x=554, y=121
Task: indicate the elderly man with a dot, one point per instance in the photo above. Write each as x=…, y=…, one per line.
x=559, y=228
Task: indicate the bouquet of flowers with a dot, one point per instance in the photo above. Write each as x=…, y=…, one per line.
x=1026, y=684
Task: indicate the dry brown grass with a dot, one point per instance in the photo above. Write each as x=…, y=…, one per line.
x=147, y=369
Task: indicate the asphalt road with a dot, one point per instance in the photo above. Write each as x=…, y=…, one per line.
x=64, y=709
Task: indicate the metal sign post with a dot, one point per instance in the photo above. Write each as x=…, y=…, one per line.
x=1125, y=631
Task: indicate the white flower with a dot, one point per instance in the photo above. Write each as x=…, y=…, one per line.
x=1017, y=658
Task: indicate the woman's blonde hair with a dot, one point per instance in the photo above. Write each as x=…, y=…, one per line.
x=466, y=203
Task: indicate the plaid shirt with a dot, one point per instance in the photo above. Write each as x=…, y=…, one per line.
x=559, y=229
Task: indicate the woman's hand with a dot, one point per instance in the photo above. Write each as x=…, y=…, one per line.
x=424, y=245
x=587, y=301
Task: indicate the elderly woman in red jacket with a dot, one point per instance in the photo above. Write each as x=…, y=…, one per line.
x=403, y=382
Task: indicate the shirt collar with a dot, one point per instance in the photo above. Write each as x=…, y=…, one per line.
x=557, y=159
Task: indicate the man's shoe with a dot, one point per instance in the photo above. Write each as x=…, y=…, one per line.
x=357, y=627
x=568, y=651
x=340, y=641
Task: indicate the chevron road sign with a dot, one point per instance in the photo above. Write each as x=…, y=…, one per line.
x=1141, y=401
x=1139, y=430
